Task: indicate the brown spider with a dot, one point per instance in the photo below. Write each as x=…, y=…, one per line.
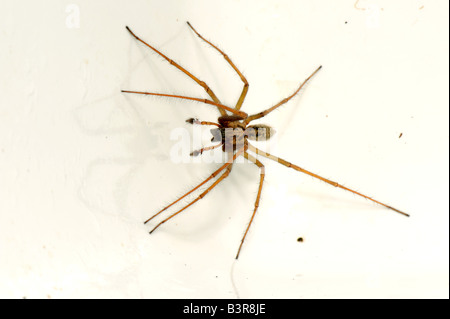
x=233, y=133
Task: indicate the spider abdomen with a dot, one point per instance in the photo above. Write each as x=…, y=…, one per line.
x=259, y=132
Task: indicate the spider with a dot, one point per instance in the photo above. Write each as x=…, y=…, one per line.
x=232, y=133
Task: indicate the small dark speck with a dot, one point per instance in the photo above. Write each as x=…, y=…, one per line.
x=345, y=22
x=401, y=134
x=300, y=239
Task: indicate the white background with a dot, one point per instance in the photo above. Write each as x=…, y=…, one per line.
x=83, y=165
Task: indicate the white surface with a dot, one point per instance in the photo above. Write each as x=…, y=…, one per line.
x=82, y=165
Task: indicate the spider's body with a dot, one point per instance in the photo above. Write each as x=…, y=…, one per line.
x=233, y=133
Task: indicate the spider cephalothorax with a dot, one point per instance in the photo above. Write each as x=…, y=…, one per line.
x=233, y=133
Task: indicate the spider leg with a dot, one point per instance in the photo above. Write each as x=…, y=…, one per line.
x=179, y=67
x=217, y=172
x=206, y=101
x=221, y=178
x=198, y=122
x=245, y=88
x=297, y=168
x=265, y=112
x=261, y=180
